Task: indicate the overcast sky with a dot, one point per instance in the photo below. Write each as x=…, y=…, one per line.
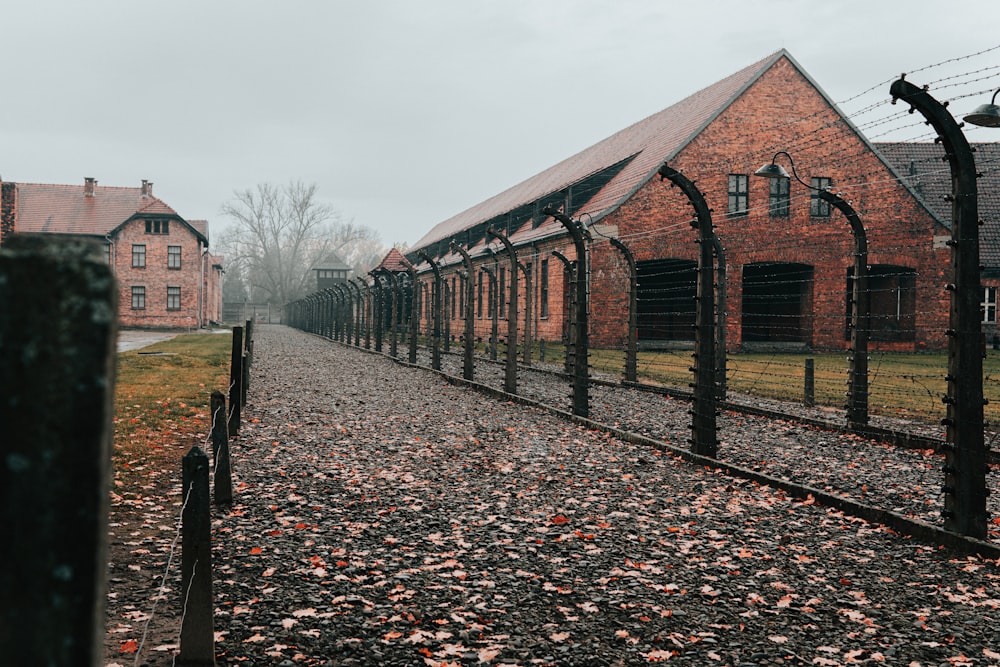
x=407, y=112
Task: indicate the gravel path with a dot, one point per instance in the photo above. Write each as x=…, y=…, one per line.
x=901, y=480
x=385, y=517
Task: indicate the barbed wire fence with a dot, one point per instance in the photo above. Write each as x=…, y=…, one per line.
x=779, y=317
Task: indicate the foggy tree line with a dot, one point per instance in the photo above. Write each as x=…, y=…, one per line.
x=277, y=234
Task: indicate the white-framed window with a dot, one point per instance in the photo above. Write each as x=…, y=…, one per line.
x=138, y=297
x=819, y=207
x=739, y=197
x=138, y=256
x=989, y=304
x=173, y=298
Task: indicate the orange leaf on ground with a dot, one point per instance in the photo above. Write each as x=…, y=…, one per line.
x=131, y=646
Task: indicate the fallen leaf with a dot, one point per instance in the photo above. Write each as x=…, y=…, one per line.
x=488, y=654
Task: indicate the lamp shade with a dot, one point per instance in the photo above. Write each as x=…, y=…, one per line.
x=985, y=115
x=771, y=170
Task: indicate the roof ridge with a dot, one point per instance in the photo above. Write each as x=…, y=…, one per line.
x=664, y=132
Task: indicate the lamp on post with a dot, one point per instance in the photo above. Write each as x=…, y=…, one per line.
x=985, y=115
x=857, y=396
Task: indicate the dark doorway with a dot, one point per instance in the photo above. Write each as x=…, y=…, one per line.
x=666, y=299
x=776, y=302
x=893, y=291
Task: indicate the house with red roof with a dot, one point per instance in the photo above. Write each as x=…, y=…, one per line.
x=789, y=255
x=166, y=276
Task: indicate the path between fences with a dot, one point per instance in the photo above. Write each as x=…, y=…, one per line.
x=387, y=517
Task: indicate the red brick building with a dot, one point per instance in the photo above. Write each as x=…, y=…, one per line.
x=166, y=276
x=789, y=255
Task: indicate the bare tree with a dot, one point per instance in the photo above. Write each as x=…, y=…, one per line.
x=280, y=233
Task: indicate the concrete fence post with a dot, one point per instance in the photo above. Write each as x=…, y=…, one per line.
x=57, y=361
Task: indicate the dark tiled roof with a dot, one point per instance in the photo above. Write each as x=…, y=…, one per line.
x=608, y=172
x=65, y=209
x=924, y=167
x=331, y=262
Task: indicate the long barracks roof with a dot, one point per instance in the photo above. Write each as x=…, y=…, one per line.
x=67, y=209
x=611, y=170
x=923, y=167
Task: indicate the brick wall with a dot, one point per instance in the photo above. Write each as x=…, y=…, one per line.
x=8, y=209
x=156, y=277
x=548, y=328
x=900, y=231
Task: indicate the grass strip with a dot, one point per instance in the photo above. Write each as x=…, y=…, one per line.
x=162, y=397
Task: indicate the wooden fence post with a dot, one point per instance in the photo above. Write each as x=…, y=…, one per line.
x=57, y=361
x=248, y=343
x=809, y=384
x=244, y=378
x=222, y=477
x=197, y=626
x=236, y=382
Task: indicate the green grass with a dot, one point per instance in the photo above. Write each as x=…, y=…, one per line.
x=163, y=399
x=905, y=385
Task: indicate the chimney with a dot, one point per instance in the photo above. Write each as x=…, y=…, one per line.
x=89, y=183
x=147, y=188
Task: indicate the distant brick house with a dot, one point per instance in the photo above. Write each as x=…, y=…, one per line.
x=789, y=255
x=166, y=276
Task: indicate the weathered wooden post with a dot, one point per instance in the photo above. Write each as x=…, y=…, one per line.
x=236, y=382
x=197, y=626
x=809, y=383
x=222, y=475
x=57, y=362
x=244, y=379
x=248, y=342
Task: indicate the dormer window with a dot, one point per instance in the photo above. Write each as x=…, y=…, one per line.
x=157, y=226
